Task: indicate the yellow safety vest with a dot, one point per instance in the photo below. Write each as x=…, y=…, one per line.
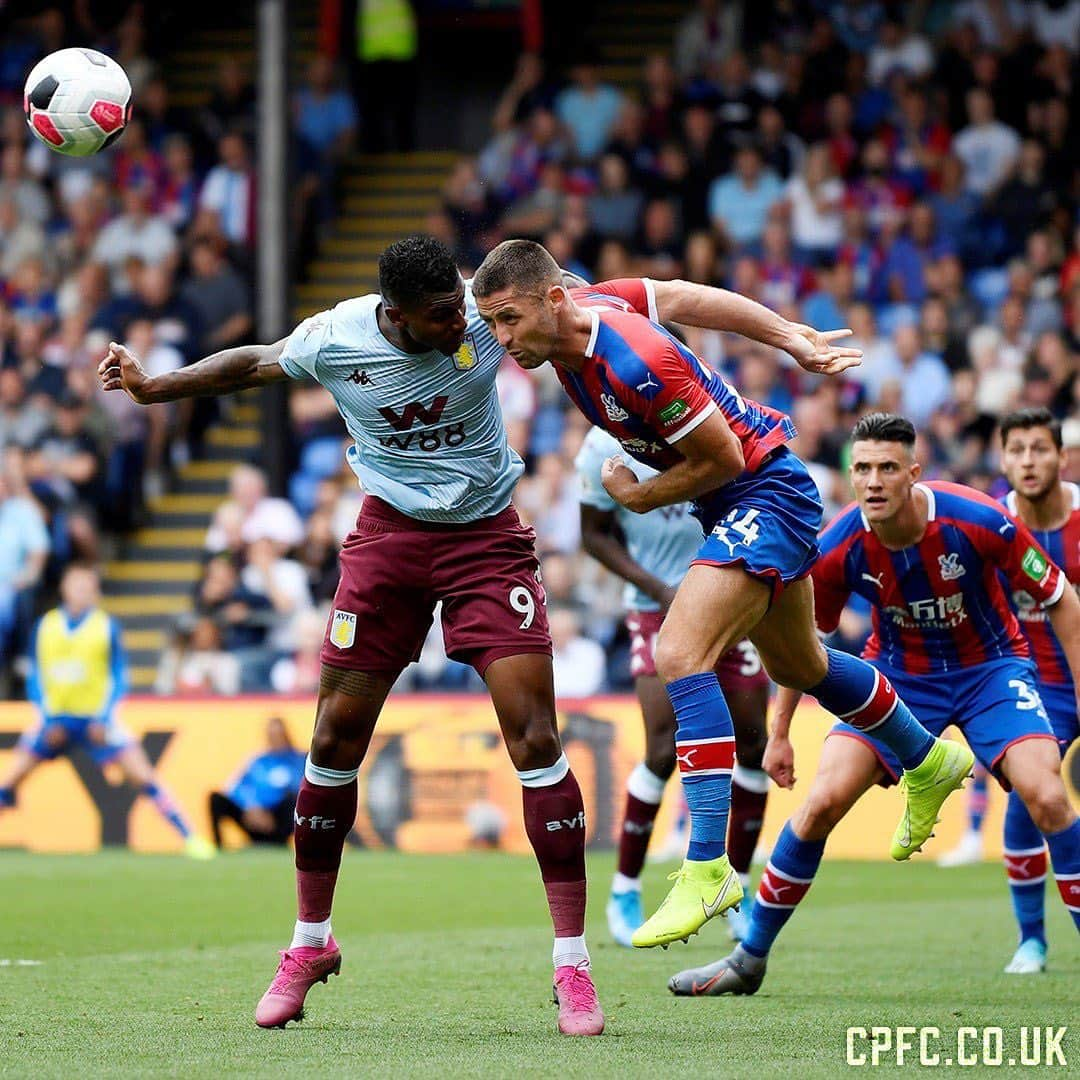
x=73, y=665
x=385, y=30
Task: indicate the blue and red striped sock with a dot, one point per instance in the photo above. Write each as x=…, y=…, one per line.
x=784, y=882
x=858, y=693
x=705, y=750
x=1065, y=856
x=1025, y=865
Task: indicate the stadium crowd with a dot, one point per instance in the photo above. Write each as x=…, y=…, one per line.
x=911, y=171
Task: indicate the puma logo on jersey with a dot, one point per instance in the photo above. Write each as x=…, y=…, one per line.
x=875, y=579
x=649, y=383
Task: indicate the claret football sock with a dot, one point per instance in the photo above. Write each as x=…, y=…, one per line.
x=749, y=792
x=555, y=825
x=705, y=751
x=644, y=790
x=856, y=692
x=325, y=812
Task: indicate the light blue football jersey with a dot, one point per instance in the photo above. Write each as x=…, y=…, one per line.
x=663, y=541
x=428, y=433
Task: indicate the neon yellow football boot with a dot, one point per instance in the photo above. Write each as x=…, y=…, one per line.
x=926, y=787
x=701, y=891
x=199, y=848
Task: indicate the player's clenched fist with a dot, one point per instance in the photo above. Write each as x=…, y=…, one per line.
x=619, y=480
x=779, y=761
x=121, y=370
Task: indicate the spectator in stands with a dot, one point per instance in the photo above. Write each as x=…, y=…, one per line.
x=198, y=663
x=227, y=202
x=705, y=36
x=325, y=115
x=987, y=147
x=24, y=549
x=175, y=321
x=231, y=107
x=1025, y=201
x=814, y=199
x=22, y=421
x=740, y=202
x=298, y=672
x=20, y=187
x=922, y=378
x=20, y=238
x=241, y=615
x=220, y=298
x=579, y=664
x=180, y=186
x=899, y=50
x=136, y=234
x=262, y=797
x=318, y=555
x=284, y=583
x=261, y=516
x=589, y=109
x=615, y=208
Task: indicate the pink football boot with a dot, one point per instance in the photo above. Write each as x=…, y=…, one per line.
x=297, y=973
x=579, y=1008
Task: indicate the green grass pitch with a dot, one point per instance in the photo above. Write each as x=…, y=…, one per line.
x=151, y=966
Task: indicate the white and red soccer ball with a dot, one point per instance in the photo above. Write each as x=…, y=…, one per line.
x=77, y=101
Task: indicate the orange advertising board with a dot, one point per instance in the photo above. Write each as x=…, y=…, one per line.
x=432, y=759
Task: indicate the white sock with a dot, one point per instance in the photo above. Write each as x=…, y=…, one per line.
x=311, y=935
x=744, y=881
x=622, y=883
x=569, y=951
x=645, y=785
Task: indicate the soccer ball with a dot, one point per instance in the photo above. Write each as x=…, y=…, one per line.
x=77, y=101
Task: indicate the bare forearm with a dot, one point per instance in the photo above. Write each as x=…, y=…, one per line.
x=607, y=551
x=787, y=701
x=720, y=309
x=681, y=483
x=224, y=372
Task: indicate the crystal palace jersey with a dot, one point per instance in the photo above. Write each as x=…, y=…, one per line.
x=428, y=434
x=663, y=541
x=648, y=390
x=938, y=605
x=1063, y=547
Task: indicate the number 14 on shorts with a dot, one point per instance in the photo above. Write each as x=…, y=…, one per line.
x=737, y=527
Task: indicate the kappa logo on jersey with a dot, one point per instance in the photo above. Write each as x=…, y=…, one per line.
x=415, y=410
x=361, y=378
x=615, y=412
x=950, y=567
x=467, y=354
x=343, y=629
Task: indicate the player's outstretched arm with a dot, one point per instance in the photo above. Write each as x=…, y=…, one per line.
x=224, y=372
x=712, y=455
x=720, y=309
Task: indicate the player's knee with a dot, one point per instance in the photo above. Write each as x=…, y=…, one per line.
x=820, y=814
x=675, y=661
x=536, y=747
x=1048, y=804
x=332, y=748
x=55, y=737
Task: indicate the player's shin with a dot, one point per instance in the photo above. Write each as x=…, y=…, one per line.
x=1065, y=858
x=644, y=791
x=705, y=752
x=325, y=813
x=555, y=824
x=856, y=692
x=785, y=881
x=1025, y=865
x=167, y=808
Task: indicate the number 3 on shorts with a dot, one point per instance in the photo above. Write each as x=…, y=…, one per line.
x=521, y=601
x=1027, y=698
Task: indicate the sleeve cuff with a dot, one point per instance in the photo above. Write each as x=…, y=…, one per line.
x=692, y=423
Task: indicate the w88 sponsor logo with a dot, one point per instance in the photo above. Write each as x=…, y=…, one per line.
x=429, y=439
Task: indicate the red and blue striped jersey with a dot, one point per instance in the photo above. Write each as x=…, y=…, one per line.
x=648, y=390
x=938, y=605
x=1063, y=546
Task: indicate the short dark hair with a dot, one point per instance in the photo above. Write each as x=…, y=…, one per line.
x=523, y=263
x=1022, y=419
x=884, y=427
x=415, y=268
